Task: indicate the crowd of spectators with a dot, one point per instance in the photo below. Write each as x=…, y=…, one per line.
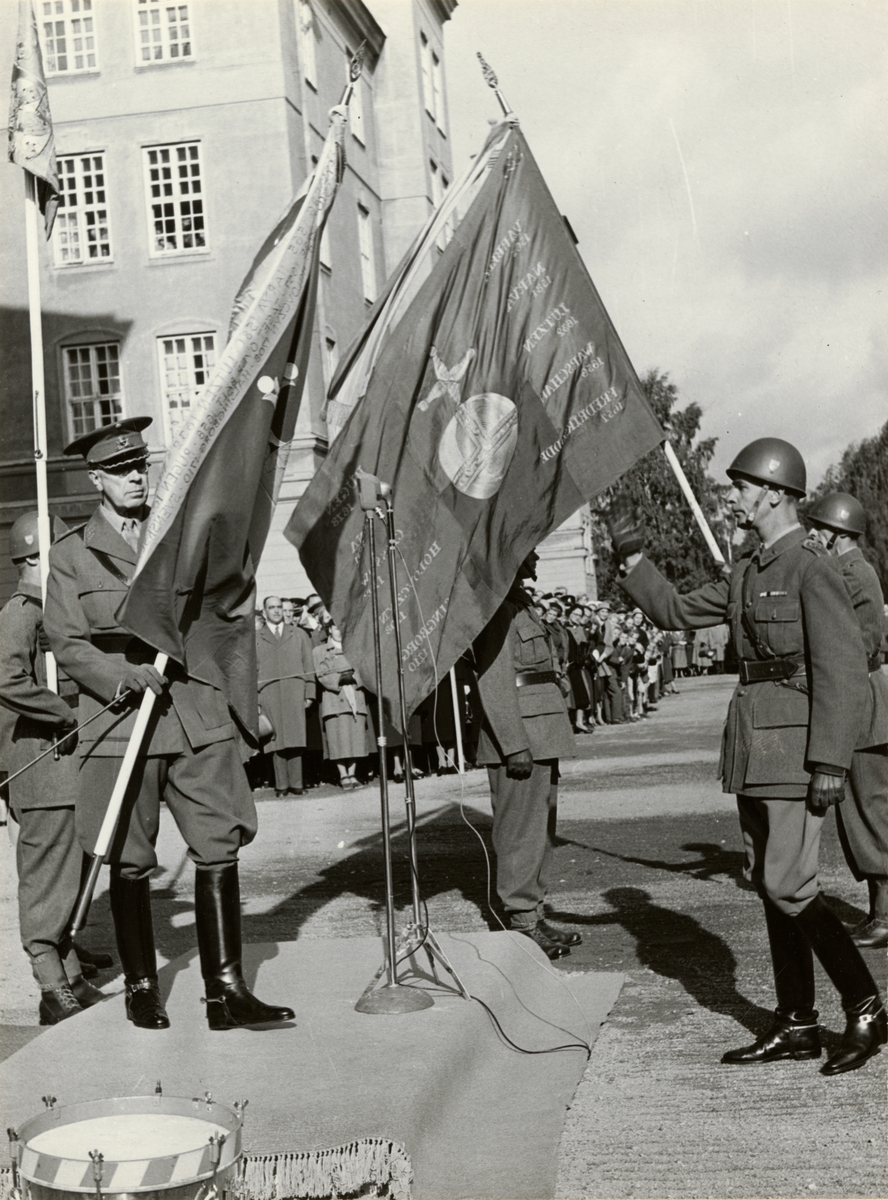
x=320, y=716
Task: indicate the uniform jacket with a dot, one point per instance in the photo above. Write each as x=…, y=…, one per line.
x=286, y=683
x=34, y=714
x=83, y=595
x=777, y=730
x=336, y=698
x=532, y=717
x=863, y=587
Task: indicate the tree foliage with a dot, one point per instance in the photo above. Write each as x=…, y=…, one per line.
x=673, y=540
x=863, y=471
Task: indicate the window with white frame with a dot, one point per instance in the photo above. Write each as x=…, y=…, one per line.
x=186, y=361
x=93, y=392
x=82, y=233
x=305, y=37
x=175, y=198
x=432, y=81
x=68, y=32
x=365, y=241
x=163, y=32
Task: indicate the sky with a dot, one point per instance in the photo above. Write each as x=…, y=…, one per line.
x=725, y=168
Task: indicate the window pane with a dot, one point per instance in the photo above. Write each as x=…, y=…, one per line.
x=68, y=41
x=92, y=386
x=186, y=361
x=82, y=232
x=173, y=173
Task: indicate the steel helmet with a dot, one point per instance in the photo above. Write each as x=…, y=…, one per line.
x=24, y=535
x=771, y=461
x=838, y=510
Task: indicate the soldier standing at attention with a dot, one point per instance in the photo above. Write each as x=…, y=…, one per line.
x=524, y=730
x=189, y=758
x=792, y=727
x=839, y=520
x=48, y=855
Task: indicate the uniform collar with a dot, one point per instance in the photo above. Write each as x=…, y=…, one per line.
x=101, y=534
x=792, y=537
x=31, y=590
x=855, y=554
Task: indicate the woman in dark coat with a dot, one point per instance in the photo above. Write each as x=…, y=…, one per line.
x=343, y=708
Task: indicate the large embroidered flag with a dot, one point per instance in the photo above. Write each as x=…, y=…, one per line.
x=31, y=141
x=501, y=401
x=192, y=592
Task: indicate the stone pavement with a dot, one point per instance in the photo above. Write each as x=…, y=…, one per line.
x=649, y=870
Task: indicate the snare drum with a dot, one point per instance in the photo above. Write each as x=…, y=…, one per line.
x=166, y=1147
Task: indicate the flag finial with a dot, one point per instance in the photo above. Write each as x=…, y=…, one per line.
x=492, y=82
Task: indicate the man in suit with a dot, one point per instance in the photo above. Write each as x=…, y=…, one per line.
x=42, y=799
x=189, y=758
x=791, y=730
x=524, y=730
x=286, y=689
x=838, y=521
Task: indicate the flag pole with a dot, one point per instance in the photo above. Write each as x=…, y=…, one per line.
x=457, y=721
x=683, y=483
x=112, y=814
x=38, y=399
x=492, y=82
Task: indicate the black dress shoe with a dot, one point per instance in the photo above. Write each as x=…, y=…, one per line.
x=785, y=1039
x=566, y=937
x=548, y=945
x=872, y=935
x=866, y=1033
x=57, y=1004
x=144, y=1006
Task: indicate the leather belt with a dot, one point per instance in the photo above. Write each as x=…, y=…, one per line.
x=522, y=678
x=753, y=670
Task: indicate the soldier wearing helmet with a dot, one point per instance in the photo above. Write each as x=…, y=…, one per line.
x=838, y=520
x=791, y=730
x=42, y=798
x=189, y=759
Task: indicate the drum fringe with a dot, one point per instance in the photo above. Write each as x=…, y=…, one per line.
x=340, y=1171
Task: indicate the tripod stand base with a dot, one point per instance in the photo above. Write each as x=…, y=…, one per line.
x=393, y=998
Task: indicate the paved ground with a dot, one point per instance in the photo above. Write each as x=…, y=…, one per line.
x=649, y=870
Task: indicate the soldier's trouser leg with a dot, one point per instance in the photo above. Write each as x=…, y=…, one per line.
x=522, y=811
x=49, y=860
x=863, y=817
x=781, y=840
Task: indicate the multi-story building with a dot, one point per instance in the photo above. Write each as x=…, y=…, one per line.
x=182, y=131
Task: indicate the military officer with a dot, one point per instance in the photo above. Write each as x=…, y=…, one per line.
x=524, y=730
x=189, y=759
x=792, y=727
x=838, y=521
x=48, y=856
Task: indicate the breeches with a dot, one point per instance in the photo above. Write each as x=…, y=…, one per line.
x=863, y=817
x=206, y=790
x=524, y=818
x=781, y=839
x=49, y=862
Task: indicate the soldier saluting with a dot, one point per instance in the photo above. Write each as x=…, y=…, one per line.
x=791, y=731
x=189, y=758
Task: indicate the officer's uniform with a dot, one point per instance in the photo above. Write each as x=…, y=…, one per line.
x=190, y=755
x=524, y=708
x=863, y=822
x=788, y=611
x=42, y=799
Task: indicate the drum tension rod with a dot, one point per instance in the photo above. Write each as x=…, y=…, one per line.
x=15, y=1157
x=97, y=1159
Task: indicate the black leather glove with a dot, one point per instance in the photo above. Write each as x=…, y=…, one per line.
x=625, y=523
x=66, y=738
x=827, y=787
x=43, y=640
x=139, y=677
x=519, y=765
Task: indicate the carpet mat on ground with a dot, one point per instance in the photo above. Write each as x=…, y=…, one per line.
x=441, y=1093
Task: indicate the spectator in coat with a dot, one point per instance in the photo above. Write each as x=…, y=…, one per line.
x=286, y=689
x=343, y=708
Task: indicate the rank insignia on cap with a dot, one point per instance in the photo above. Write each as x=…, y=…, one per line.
x=124, y=443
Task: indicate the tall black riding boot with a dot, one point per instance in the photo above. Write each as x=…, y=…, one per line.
x=230, y=1003
x=795, y=1033
x=866, y=1029
x=131, y=910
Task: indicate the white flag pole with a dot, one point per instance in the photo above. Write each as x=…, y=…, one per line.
x=38, y=397
x=685, y=486
x=457, y=721
x=112, y=813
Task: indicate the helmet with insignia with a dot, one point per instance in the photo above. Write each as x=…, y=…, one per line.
x=772, y=462
x=24, y=535
x=117, y=445
x=841, y=512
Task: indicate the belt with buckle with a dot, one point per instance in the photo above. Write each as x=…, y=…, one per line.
x=522, y=678
x=753, y=670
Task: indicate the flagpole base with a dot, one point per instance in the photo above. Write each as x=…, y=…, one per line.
x=393, y=998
